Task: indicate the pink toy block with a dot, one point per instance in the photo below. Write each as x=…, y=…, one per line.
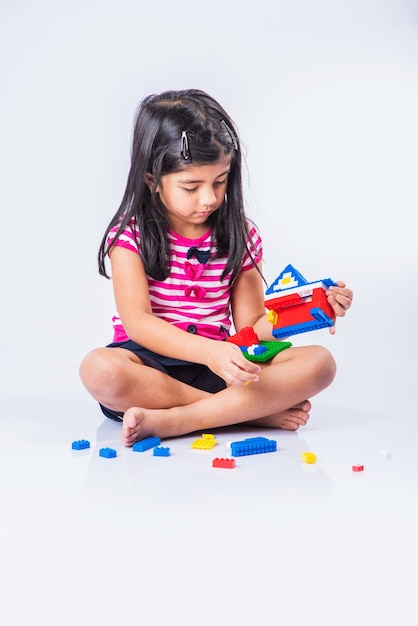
x=358, y=468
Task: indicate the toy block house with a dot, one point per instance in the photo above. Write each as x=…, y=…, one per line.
x=297, y=306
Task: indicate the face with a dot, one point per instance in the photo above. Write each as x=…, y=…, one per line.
x=192, y=194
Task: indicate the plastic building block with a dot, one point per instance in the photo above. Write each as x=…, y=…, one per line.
x=226, y=463
x=358, y=468
x=245, y=337
x=160, y=451
x=386, y=454
x=255, y=350
x=108, y=453
x=81, y=444
x=253, y=445
x=308, y=457
x=204, y=443
x=146, y=444
x=208, y=436
x=296, y=305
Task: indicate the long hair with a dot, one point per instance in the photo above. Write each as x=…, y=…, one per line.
x=158, y=148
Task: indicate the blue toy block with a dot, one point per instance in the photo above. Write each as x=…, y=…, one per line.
x=253, y=445
x=320, y=320
x=108, y=453
x=146, y=444
x=81, y=444
x=160, y=451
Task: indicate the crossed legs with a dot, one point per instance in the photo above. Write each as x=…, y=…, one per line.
x=156, y=404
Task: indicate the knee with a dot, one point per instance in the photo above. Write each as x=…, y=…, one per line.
x=325, y=365
x=98, y=372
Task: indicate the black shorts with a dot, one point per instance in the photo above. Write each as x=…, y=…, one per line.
x=193, y=374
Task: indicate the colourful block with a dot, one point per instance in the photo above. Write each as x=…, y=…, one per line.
x=203, y=444
x=107, y=453
x=358, y=468
x=207, y=436
x=160, y=451
x=255, y=350
x=146, y=444
x=226, y=463
x=253, y=445
x=296, y=305
x=308, y=457
x=81, y=444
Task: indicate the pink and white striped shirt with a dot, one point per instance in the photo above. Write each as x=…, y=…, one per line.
x=192, y=297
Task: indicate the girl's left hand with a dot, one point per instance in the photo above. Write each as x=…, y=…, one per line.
x=340, y=298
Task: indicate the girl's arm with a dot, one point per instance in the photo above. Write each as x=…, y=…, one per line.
x=130, y=286
x=247, y=304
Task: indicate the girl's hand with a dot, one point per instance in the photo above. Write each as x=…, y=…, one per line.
x=340, y=298
x=227, y=361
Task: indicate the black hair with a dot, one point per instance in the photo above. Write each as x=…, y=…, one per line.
x=172, y=129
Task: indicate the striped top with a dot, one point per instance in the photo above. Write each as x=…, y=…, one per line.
x=192, y=297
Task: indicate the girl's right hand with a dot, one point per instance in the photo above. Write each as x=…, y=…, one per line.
x=227, y=361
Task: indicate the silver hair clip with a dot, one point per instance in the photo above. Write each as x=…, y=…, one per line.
x=184, y=146
x=231, y=134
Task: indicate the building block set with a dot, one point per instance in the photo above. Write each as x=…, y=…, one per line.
x=296, y=305
x=245, y=447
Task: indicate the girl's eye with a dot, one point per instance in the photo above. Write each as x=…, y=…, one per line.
x=219, y=183
x=189, y=190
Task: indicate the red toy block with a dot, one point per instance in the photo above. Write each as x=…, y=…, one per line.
x=358, y=468
x=227, y=463
x=246, y=337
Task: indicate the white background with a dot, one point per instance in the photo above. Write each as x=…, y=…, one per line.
x=325, y=96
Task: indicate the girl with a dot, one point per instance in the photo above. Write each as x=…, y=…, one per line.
x=186, y=263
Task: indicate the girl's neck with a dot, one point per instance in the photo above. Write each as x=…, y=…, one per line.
x=192, y=231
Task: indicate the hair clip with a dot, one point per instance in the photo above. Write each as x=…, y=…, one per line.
x=231, y=134
x=184, y=146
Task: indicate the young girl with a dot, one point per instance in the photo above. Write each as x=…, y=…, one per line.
x=186, y=263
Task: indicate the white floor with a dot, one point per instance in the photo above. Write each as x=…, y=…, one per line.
x=89, y=540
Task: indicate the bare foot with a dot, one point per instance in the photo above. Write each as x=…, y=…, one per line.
x=290, y=419
x=134, y=426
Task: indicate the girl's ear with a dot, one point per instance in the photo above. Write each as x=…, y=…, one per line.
x=150, y=182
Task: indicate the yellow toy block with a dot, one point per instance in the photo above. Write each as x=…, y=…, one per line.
x=204, y=444
x=308, y=457
x=207, y=436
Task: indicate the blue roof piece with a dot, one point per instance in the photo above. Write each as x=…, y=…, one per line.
x=290, y=278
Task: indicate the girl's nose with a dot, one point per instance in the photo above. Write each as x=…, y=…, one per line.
x=207, y=197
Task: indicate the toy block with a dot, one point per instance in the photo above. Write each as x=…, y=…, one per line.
x=160, y=451
x=358, y=468
x=253, y=445
x=208, y=436
x=107, y=453
x=203, y=444
x=81, y=444
x=245, y=337
x=296, y=305
x=255, y=350
x=386, y=454
x=226, y=463
x=146, y=444
x=308, y=457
